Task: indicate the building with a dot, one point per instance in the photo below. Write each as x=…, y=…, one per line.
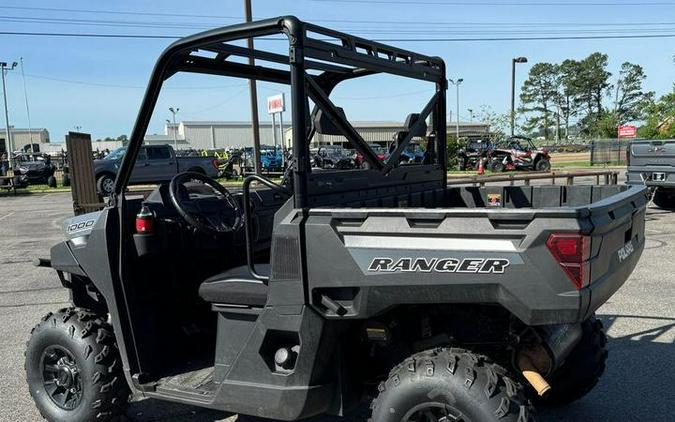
x=220, y=134
x=22, y=137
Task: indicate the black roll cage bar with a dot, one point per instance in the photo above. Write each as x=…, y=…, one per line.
x=337, y=56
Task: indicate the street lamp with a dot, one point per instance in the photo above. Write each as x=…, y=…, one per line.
x=173, y=111
x=513, y=90
x=4, y=67
x=457, y=83
x=470, y=110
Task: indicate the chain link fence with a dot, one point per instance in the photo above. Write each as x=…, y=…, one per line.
x=609, y=152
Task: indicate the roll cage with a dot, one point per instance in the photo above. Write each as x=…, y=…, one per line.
x=318, y=60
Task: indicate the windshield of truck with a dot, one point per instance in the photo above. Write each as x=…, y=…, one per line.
x=117, y=154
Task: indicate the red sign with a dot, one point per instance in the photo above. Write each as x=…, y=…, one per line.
x=627, y=131
x=275, y=104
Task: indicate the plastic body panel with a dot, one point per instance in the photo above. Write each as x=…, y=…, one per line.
x=532, y=286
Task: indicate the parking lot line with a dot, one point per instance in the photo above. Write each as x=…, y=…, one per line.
x=5, y=216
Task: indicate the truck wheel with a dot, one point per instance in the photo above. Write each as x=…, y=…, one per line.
x=51, y=181
x=664, y=199
x=582, y=369
x=105, y=184
x=543, y=165
x=73, y=368
x=450, y=385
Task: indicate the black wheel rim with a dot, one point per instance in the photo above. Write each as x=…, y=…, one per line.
x=61, y=377
x=434, y=412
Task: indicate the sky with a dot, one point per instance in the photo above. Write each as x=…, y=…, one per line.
x=96, y=84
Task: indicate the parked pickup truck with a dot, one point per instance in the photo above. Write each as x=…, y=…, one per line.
x=652, y=163
x=157, y=163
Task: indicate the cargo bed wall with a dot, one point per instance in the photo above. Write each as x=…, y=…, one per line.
x=471, y=252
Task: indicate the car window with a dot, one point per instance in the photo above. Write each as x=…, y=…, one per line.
x=158, y=153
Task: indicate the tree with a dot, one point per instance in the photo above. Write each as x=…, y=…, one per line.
x=630, y=101
x=539, y=95
x=568, y=92
x=660, y=119
x=592, y=84
x=499, y=124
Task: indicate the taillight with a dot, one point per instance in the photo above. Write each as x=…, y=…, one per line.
x=145, y=221
x=215, y=164
x=572, y=251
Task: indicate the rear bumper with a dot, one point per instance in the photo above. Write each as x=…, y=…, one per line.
x=643, y=175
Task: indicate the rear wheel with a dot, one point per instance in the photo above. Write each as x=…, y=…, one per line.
x=449, y=385
x=73, y=368
x=582, y=368
x=498, y=166
x=543, y=165
x=664, y=199
x=461, y=164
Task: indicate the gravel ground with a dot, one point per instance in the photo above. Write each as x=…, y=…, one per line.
x=639, y=384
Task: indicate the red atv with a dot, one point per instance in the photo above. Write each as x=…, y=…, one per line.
x=378, y=149
x=519, y=153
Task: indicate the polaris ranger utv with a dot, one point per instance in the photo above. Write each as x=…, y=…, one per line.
x=379, y=284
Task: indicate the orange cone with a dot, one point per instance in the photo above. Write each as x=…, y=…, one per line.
x=481, y=169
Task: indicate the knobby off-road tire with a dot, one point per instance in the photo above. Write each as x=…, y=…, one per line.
x=582, y=368
x=454, y=384
x=73, y=368
x=543, y=165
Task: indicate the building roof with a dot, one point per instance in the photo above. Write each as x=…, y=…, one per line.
x=359, y=124
x=18, y=129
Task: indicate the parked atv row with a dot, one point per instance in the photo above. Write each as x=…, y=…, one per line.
x=514, y=153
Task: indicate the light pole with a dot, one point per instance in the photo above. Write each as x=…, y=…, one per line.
x=470, y=110
x=25, y=96
x=513, y=90
x=173, y=111
x=9, y=147
x=457, y=83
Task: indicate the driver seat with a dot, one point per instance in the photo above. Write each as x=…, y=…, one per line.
x=236, y=286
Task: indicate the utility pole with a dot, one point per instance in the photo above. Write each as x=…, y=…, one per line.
x=25, y=96
x=470, y=110
x=457, y=83
x=9, y=147
x=253, y=91
x=173, y=111
x=513, y=91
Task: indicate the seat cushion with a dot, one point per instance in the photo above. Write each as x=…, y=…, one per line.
x=236, y=287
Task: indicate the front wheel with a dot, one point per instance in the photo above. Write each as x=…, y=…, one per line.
x=73, y=368
x=105, y=184
x=450, y=385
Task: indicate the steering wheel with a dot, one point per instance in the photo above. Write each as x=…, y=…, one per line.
x=215, y=211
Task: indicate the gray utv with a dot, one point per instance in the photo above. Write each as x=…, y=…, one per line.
x=336, y=288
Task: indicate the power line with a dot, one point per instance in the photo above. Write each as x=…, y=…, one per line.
x=117, y=12
x=482, y=39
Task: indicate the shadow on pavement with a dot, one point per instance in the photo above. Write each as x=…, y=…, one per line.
x=638, y=385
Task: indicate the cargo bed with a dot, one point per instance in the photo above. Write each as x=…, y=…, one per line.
x=492, y=242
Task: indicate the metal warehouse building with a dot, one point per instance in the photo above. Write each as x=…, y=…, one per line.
x=23, y=137
x=221, y=134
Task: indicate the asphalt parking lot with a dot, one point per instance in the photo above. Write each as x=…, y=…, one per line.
x=639, y=384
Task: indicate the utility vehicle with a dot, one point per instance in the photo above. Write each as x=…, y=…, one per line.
x=519, y=153
x=652, y=163
x=379, y=284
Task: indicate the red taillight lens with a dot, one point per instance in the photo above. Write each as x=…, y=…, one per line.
x=572, y=251
x=215, y=163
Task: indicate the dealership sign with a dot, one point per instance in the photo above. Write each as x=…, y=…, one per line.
x=627, y=131
x=275, y=104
